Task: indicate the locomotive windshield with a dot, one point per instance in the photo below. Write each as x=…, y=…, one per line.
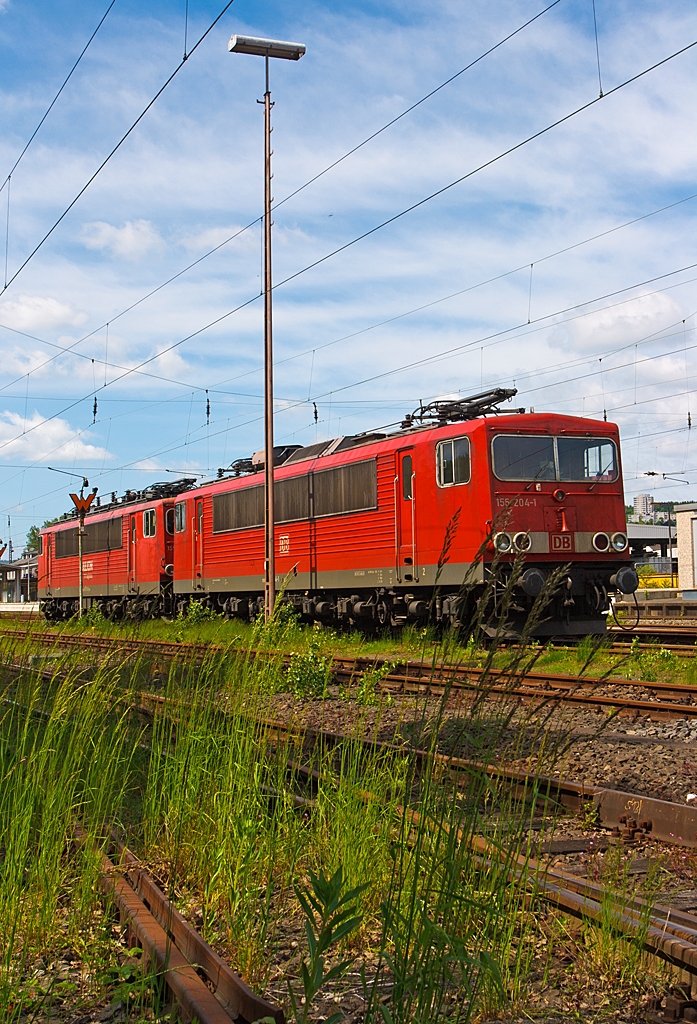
x=526, y=457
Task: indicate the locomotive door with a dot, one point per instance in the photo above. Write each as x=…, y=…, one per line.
x=198, y=546
x=132, y=561
x=47, y=583
x=405, y=524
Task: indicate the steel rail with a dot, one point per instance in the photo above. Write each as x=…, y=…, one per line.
x=196, y=1000
x=425, y=677
x=662, y=930
x=686, y=634
x=626, y=814
x=552, y=693
x=238, y=999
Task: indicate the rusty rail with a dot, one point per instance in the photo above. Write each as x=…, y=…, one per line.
x=240, y=1001
x=630, y=813
x=663, y=930
x=179, y=953
x=422, y=677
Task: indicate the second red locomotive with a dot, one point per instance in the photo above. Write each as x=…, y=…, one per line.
x=361, y=523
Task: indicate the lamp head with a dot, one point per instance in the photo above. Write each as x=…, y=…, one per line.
x=266, y=47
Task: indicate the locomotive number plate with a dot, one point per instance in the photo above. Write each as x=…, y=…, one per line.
x=561, y=541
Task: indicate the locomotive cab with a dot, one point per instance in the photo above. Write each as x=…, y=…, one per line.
x=557, y=500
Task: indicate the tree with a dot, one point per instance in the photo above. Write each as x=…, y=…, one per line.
x=32, y=544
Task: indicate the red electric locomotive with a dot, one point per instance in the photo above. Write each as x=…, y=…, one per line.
x=361, y=521
x=127, y=556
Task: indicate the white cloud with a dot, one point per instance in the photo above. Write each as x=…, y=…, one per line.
x=36, y=313
x=610, y=328
x=149, y=464
x=210, y=238
x=38, y=438
x=133, y=241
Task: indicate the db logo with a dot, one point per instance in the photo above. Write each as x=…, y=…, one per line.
x=562, y=541
x=284, y=544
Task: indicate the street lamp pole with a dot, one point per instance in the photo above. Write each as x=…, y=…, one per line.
x=269, y=503
x=267, y=48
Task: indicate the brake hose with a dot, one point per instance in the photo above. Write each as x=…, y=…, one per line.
x=628, y=629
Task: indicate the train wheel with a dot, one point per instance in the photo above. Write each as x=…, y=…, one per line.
x=50, y=611
x=382, y=611
x=133, y=610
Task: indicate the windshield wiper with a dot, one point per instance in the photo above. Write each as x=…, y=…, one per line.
x=601, y=473
x=540, y=470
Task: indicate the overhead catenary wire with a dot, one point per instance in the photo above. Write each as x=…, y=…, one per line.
x=483, y=166
x=414, y=206
x=597, y=51
x=55, y=98
x=255, y=419
x=585, y=107
x=185, y=443
x=433, y=358
x=7, y=225
x=186, y=440
x=114, y=150
x=418, y=103
x=463, y=291
x=71, y=349
x=457, y=181
x=505, y=331
x=310, y=181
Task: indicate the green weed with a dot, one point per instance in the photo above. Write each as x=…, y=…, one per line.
x=653, y=661
x=330, y=917
x=309, y=673
x=198, y=612
x=368, y=692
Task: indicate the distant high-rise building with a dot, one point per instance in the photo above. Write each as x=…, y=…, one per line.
x=643, y=505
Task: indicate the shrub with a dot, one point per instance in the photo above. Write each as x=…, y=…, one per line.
x=368, y=693
x=309, y=672
x=197, y=612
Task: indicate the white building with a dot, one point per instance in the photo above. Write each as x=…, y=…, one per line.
x=686, y=519
x=643, y=506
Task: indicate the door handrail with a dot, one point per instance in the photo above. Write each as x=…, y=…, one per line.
x=396, y=522
x=415, y=567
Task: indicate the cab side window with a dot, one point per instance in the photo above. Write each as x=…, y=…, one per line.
x=149, y=522
x=453, y=462
x=180, y=517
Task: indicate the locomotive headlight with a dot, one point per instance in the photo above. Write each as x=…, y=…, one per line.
x=522, y=541
x=601, y=542
x=619, y=541
x=502, y=541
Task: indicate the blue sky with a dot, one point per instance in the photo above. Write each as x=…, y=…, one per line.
x=190, y=176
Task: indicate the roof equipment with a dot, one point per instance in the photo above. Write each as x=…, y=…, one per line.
x=455, y=411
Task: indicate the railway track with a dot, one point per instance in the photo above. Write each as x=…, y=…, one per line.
x=655, y=699
x=664, y=930
x=670, y=933
x=624, y=816
x=677, y=636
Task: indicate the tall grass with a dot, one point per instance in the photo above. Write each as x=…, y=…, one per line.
x=212, y=796
x=65, y=751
